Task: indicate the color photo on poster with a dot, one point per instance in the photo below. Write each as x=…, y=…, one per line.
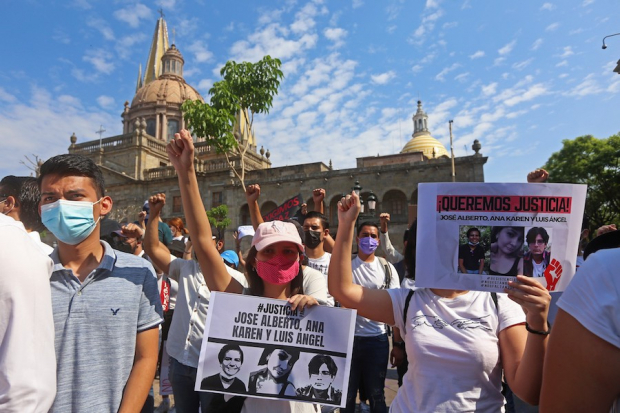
x=263, y=349
x=480, y=235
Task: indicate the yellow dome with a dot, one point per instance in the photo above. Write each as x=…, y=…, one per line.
x=167, y=90
x=425, y=143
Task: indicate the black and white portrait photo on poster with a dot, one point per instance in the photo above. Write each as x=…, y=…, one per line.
x=264, y=349
x=480, y=236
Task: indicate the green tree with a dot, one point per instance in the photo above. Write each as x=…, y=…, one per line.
x=246, y=88
x=596, y=163
x=218, y=217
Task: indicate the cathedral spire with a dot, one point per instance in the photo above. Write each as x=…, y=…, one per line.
x=159, y=45
x=139, y=83
x=420, y=121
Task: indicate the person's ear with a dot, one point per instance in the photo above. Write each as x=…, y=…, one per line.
x=106, y=205
x=10, y=203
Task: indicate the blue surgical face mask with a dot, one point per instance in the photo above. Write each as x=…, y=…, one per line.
x=70, y=221
x=368, y=245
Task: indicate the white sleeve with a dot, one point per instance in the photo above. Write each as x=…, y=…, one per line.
x=509, y=313
x=237, y=276
x=398, y=297
x=593, y=295
x=27, y=355
x=394, y=280
x=391, y=254
x=315, y=284
x=174, y=269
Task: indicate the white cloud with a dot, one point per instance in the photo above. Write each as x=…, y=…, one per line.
x=462, y=77
x=477, y=55
x=391, y=28
x=498, y=61
x=106, y=102
x=200, y=51
x=166, y=4
x=536, y=45
x=416, y=68
x=522, y=65
x=568, y=51
x=576, y=31
x=357, y=3
x=589, y=86
x=427, y=25
x=304, y=19
x=587, y=2
x=383, y=78
x=531, y=93
x=101, y=59
x=441, y=75
x=272, y=40
x=204, y=85
x=562, y=63
x=489, y=89
x=548, y=6
x=552, y=27
x=449, y=25
x=132, y=15
x=125, y=46
x=336, y=35
x=6, y=96
x=52, y=119
x=102, y=27
x=507, y=48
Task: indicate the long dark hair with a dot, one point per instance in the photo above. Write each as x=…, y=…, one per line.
x=410, y=250
x=257, y=286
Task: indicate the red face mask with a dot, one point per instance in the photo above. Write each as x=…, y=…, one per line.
x=278, y=270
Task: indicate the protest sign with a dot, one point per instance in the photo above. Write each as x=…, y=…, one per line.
x=245, y=231
x=259, y=347
x=286, y=210
x=477, y=236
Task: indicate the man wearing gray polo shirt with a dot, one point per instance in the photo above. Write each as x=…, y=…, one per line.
x=105, y=303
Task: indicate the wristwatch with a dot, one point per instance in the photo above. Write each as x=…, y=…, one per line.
x=399, y=344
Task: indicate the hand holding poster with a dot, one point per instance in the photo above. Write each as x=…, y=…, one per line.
x=476, y=236
x=264, y=349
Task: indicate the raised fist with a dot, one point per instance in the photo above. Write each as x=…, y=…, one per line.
x=553, y=272
x=156, y=204
x=252, y=192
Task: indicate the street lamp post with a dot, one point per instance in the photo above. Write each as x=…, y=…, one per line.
x=452, y=152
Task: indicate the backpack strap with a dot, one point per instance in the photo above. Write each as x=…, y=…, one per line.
x=387, y=272
x=494, y=298
x=407, y=301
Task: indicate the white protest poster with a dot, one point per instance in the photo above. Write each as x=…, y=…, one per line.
x=478, y=236
x=258, y=347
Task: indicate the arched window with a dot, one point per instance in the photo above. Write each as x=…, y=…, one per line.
x=332, y=213
x=268, y=207
x=244, y=215
x=173, y=127
x=395, y=203
x=150, y=127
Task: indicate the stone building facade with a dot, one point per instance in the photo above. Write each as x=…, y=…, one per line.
x=135, y=164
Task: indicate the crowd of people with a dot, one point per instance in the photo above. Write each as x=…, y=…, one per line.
x=87, y=326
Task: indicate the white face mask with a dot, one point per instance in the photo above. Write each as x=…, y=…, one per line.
x=9, y=211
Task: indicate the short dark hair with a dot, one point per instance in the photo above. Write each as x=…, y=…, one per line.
x=321, y=217
x=270, y=348
x=226, y=349
x=472, y=229
x=27, y=195
x=367, y=224
x=73, y=165
x=317, y=361
x=535, y=231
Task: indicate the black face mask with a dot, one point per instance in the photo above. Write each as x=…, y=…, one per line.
x=119, y=245
x=312, y=239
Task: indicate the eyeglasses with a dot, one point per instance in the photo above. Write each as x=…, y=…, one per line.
x=537, y=242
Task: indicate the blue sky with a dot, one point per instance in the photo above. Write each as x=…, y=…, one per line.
x=518, y=76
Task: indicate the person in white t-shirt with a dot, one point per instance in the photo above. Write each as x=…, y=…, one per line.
x=19, y=199
x=316, y=228
x=27, y=357
x=457, y=342
x=582, y=367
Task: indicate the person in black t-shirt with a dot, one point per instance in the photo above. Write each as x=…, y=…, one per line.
x=471, y=255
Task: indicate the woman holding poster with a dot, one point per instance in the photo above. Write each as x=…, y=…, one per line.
x=457, y=342
x=273, y=265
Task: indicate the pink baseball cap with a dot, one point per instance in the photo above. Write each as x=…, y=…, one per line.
x=271, y=232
